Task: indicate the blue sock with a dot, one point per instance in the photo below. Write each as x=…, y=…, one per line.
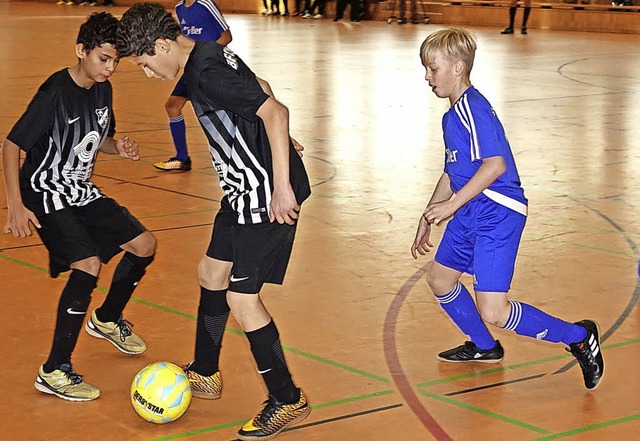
x=459, y=305
x=179, y=135
x=529, y=321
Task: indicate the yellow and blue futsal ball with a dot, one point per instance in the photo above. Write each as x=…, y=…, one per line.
x=160, y=393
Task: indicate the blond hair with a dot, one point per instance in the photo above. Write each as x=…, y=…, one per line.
x=454, y=43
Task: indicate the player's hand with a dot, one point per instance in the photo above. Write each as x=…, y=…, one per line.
x=283, y=207
x=128, y=148
x=18, y=222
x=296, y=145
x=422, y=243
x=439, y=211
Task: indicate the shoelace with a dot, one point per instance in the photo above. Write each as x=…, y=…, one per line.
x=71, y=374
x=584, y=356
x=268, y=412
x=125, y=329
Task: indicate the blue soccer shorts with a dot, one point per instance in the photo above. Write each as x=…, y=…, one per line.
x=482, y=239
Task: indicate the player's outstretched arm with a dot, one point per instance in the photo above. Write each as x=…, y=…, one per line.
x=125, y=147
x=18, y=216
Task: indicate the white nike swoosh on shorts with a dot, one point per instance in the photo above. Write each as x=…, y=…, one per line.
x=238, y=279
x=71, y=311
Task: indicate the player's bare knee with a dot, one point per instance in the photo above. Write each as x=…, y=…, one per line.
x=144, y=245
x=174, y=106
x=90, y=265
x=493, y=316
x=212, y=275
x=148, y=245
x=437, y=284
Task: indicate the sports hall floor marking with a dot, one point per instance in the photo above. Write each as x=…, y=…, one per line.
x=291, y=429
x=382, y=379
x=414, y=403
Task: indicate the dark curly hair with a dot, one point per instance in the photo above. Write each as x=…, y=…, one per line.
x=141, y=25
x=99, y=28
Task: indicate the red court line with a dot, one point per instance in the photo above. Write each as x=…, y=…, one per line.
x=394, y=365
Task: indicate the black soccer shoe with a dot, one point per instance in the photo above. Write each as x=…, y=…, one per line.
x=470, y=352
x=589, y=355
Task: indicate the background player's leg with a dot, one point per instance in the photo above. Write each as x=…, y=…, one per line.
x=512, y=16
x=527, y=10
x=174, y=107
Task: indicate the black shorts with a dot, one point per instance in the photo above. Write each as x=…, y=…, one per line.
x=76, y=233
x=260, y=253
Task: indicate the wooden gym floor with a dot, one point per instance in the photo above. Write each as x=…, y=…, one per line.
x=360, y=327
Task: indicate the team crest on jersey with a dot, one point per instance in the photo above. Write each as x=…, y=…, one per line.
x=103, y=116
x=232, y=59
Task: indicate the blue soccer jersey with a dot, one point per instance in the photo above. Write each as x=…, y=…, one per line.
x=472, y=132
x=201, y=21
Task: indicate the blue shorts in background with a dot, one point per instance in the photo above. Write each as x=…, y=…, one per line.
x=181, y=88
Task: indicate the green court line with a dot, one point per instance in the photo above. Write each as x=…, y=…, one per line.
x=352, y=399
x=200, y=431
x=227, y=329
x=590, y=428
x=338, y=365
x=239, y=423
x=485, y=412
x=519, y=365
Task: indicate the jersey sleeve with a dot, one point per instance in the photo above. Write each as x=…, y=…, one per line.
x=235, y=89
x=217, y=19
x=483, y=126
x=487, y=134
x=36, y=121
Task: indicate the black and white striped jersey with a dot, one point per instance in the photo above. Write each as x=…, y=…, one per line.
x=61, y=131
x=226, y=95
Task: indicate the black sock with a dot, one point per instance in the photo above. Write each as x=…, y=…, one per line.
x=512, y=15
x=72, y=308
x=267, y=351
x=527, y=10
x=213, y=313
x=125, y=280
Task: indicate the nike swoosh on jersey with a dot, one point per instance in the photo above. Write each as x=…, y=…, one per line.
x=72, y=312
x=71, y=121
x=238, y=279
